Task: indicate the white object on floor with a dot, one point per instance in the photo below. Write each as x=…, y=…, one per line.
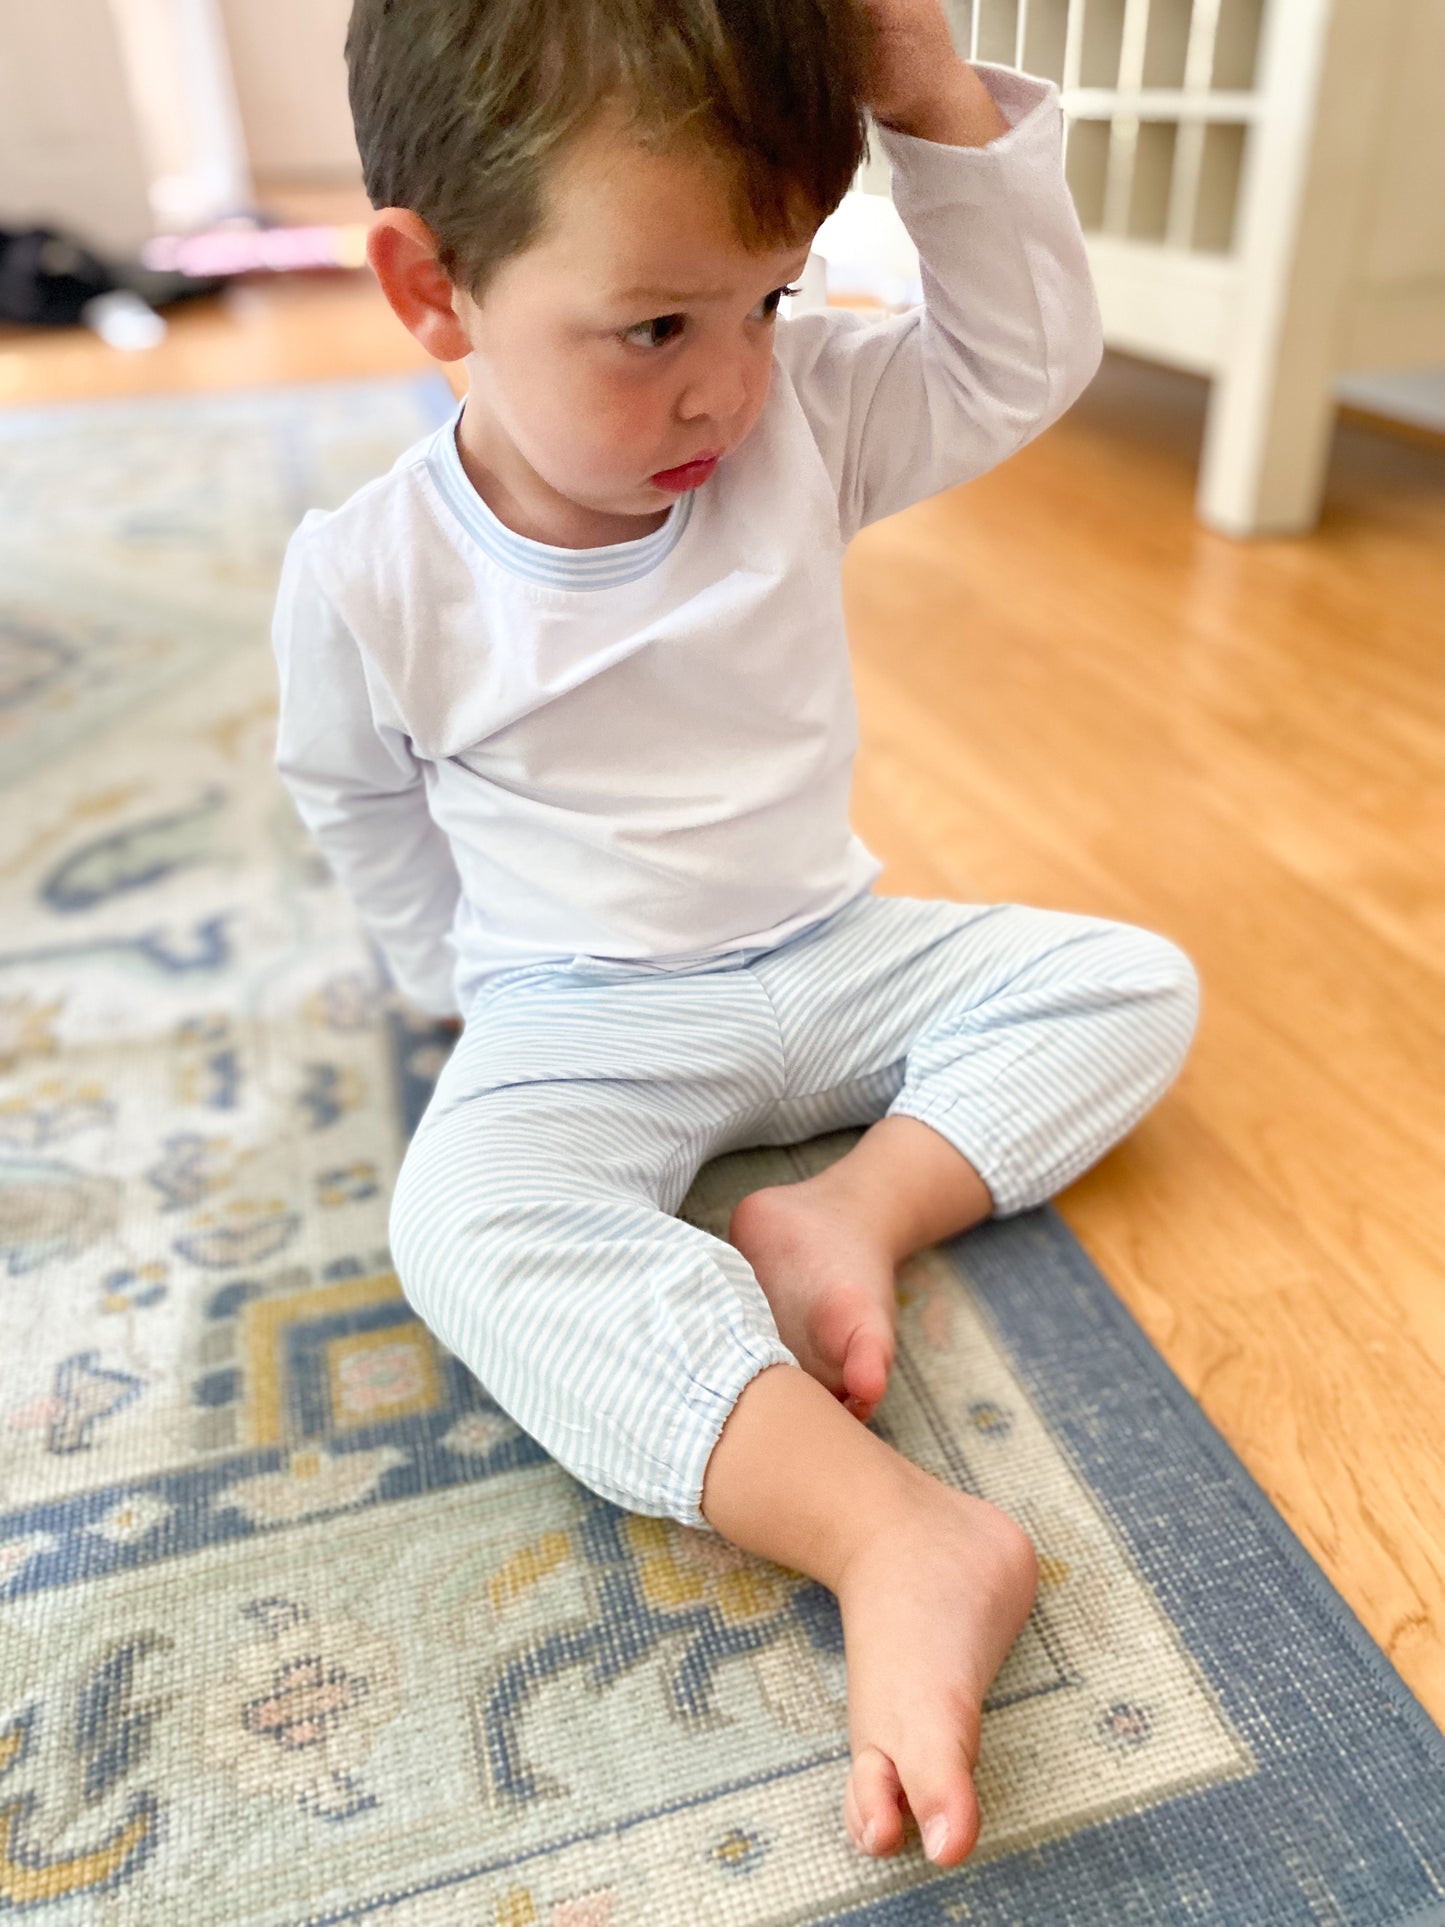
x=122, y=320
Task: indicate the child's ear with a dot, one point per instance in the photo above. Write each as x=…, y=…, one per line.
x=402, y=251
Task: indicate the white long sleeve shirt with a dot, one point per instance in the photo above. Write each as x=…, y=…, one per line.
x=511, y=753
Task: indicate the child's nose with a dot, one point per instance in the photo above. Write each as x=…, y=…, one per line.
x=720, y=391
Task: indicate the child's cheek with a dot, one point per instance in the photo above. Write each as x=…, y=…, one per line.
x=601, y=425
x=632, y=418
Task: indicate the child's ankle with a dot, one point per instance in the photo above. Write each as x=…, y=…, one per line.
x=796, y=1479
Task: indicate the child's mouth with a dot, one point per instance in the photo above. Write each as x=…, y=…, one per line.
x=691, y=475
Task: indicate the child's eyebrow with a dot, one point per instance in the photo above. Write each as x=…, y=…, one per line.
x=670, y=297
x=675, y=298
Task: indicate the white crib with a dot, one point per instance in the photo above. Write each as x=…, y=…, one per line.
x=1262, y=183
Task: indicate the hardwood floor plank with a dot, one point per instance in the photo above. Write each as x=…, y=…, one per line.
x=320, y=327
x=1302, y=957
x=1304, y=1372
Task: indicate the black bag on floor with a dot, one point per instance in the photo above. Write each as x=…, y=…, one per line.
x=47, y=277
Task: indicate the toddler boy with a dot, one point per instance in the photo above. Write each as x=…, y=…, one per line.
x=565, y=698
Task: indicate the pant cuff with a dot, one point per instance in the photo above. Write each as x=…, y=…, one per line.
x=709, y=1403
x=980, y=1147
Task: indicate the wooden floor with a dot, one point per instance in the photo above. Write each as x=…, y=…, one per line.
x=1072, y=695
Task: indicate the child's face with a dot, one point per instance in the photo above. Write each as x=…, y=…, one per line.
x=629, y=348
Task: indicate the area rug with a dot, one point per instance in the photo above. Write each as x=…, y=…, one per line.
x=295, y=1625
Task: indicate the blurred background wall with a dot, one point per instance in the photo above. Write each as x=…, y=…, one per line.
x=293, y=110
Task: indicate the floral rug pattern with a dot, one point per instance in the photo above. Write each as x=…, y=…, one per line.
x=295, y=1624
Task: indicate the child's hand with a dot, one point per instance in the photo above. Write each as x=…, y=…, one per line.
x=920, y=85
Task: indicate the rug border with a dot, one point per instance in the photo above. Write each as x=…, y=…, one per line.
x=1031, y=1322
x=1200, y=1427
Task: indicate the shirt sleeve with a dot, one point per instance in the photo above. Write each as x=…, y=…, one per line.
x=360, y=790
x=1008, y=335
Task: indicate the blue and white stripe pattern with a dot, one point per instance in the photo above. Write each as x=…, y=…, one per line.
x=606, y=568
x=532, y=1224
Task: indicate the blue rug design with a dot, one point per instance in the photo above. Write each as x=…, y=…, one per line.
x=1343, y=1820
x=296, y=1626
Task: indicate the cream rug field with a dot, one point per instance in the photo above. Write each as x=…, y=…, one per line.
x=295, y=1625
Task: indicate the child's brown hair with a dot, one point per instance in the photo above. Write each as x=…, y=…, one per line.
x=461, y=105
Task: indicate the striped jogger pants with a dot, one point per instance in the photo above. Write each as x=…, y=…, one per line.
x=532, y=1223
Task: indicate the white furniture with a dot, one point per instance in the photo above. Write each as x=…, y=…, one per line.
x=1263, y=187
x=117, y=118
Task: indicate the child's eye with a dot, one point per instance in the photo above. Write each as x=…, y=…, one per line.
x=768, y=306
x=655, y=333
x=663, y=328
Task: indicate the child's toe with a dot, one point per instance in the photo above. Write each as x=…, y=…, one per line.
x=866, y=1368
x=946, y=1808
x=871, y=1808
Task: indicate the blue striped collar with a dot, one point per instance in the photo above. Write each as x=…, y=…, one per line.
x=537, y=561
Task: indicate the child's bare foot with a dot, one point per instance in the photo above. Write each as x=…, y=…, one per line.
x=931, y=1603
x=829, y=1282
x=933, y=1585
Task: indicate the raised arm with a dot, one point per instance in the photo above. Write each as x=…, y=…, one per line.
x=360, y=791
x=1008, y=334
